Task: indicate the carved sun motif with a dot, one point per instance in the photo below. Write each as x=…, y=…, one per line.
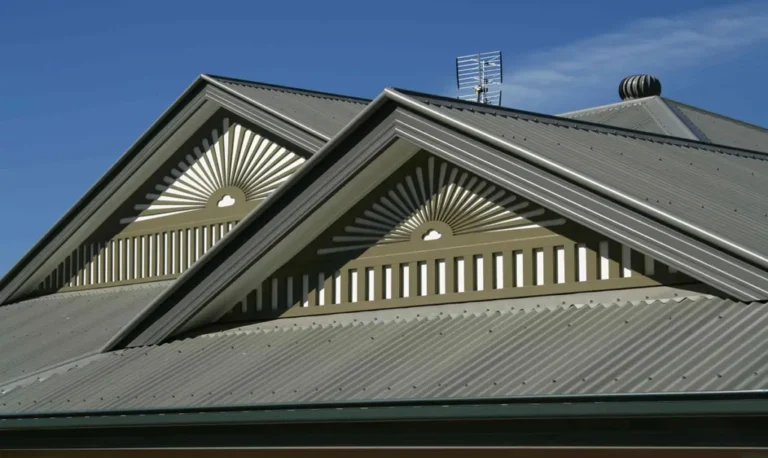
x=463, y=201
x=237, y=158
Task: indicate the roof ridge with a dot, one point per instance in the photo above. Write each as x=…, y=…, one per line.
x=717, y=115
x=607, y=107
x=580, y=124
x=296, y=90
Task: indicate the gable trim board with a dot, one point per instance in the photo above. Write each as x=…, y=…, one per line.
x=197, y=104
x=182, y=306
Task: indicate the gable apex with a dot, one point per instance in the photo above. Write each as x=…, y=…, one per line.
x=196, y=106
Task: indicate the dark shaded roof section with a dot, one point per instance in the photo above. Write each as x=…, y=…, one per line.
x=693, y=345
x=723, y=130
x=39, y=333
x=320, y=112
x=714, y=192
x=660, y=115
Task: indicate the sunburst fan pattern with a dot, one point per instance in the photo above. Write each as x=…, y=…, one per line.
x=237, y=158
x=465, y=202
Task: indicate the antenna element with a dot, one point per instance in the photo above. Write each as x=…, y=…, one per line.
x=477, y=72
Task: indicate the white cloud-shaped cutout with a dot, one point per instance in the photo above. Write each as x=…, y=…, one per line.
x=431, y=235
x=226, y=201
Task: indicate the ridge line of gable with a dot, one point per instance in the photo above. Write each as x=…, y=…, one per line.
x=574, y=123
x=265, y=107
x=424, y=108
x=307, y=92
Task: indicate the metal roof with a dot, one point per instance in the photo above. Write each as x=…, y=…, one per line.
x=39, y=333
x=321, y=112
x=698, y=188
x=686, y=346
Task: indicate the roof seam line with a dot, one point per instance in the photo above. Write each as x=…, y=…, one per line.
x=686, y=121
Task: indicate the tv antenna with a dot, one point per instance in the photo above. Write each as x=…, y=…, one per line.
x=478, y=72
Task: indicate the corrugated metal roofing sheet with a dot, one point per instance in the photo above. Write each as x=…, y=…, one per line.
x=38, y=333
x=694, y=345
x=322, y=112
x=712, y=188
x=725, y=131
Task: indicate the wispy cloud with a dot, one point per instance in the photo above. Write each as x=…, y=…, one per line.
x=555, y=77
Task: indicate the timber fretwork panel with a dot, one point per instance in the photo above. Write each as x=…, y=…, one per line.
x=433, y=233
x=219, y=175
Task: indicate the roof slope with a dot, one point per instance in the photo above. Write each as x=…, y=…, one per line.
x=484, y=351
x=38, y=333
x=723, y=130
x=321, y=112
x=714, y=190
x=660, y=115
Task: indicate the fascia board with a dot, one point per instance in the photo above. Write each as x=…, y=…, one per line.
x=642, y=405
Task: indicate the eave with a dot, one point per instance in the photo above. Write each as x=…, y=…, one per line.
x=682, y=420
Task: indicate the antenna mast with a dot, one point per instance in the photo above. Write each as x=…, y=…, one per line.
x=478, y=72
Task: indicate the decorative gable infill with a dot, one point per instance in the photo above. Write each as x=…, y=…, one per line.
x=203, y=194
x=238, y=165
x=443, y=197
x=435, y=233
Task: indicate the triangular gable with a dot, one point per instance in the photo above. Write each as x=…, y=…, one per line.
x=211, y=158
x=390, y=131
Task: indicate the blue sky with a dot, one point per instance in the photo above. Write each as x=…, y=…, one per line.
x=81, y=80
